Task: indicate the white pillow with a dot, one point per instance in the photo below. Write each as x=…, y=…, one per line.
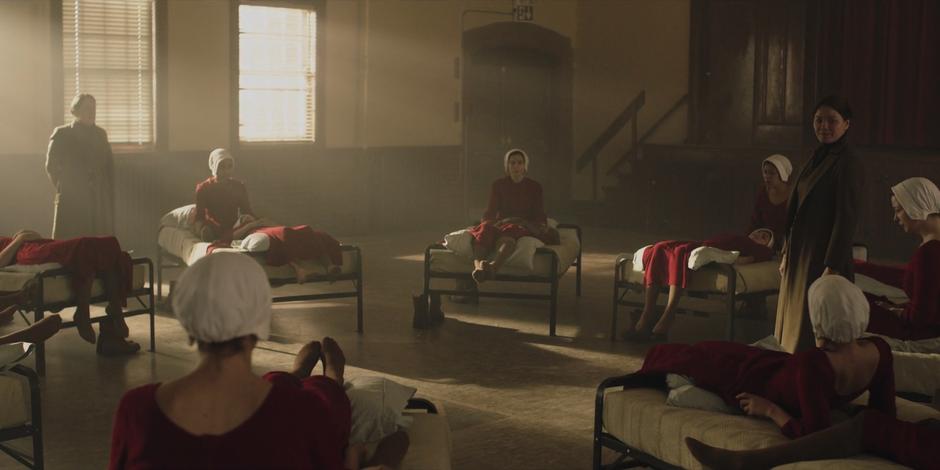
x=684, y=394
x=30, y=268
x=638, y=258
x=255, y=243
x=178, y=217
x=460, y=242
x=769, y=343
x=377, y=405
x=704, y=255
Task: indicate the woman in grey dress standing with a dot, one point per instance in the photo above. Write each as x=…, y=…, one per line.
x=821, y=221
x=81, y=167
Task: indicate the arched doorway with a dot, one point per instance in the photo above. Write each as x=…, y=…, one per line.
x=517, y=93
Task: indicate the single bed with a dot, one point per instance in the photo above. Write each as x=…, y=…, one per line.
x=179, y=247
x=713, y=289
x=549, y=264
x=50, y=291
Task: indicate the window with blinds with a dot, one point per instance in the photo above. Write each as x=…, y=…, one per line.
x=107, y=51
x=277, y=74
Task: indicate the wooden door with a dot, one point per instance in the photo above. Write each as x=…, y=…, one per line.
x=509, y=104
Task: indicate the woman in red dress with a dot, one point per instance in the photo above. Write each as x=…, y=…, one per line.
x=220, y=199
x=916, y=203
x=770, y=209
x=796, y=391
x=85, y=258
x=515, y=210
x=291, y=245
x=222, y=415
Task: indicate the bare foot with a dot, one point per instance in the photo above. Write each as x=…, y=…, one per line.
x=334, y=362
x=301, y=273
x=479, y=276
x=82, y=321
x=306, y=359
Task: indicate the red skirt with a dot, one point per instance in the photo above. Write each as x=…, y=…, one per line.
x=83, y=257
x=666, y=263
x=885, y=322
x=487, y=233
x=910, y=444
x=300, y=243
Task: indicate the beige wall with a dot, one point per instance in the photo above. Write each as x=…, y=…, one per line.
x=624, y=47
x=25, y=87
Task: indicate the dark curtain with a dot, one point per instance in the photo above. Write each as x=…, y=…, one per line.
x=884, y=56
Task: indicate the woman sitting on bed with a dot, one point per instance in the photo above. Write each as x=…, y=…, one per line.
x=795, y=391
x=84, y=258
x=770, y=209
x=916, y=203
x=220, y=199
x=515, y=210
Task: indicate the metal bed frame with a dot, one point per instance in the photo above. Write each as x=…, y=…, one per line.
x=166, y=259
x=629, y=456
x=551, y=280
x=33, y=429
x=729, y=299
x=40, y=307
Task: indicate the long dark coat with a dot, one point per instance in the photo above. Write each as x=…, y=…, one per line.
x=81, y=167
x=822, y=216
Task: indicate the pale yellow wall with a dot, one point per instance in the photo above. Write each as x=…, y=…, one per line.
x=199, y=74
x=624, y=47
x=25, y=87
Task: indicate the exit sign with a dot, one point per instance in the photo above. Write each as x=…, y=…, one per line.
x=523, y=10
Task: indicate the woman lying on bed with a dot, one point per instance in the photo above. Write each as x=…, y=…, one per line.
x=84, y=258
x=222, y=202
x=916, y=203
x=515, y=210
x=665, y=263
x=795, y=391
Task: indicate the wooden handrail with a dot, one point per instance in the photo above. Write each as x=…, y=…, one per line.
x=631, y=152
x=629, y=113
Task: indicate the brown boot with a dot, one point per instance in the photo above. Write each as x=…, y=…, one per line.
x=110, y=343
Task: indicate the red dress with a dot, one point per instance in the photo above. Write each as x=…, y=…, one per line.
x=300, y=243
x=518, y=200
x=803, y=384
x=910, y=444
x=769, y=215
x=301, y=424
x=920, y=279
x=218, y=204
x=83, y=257
x=666, y=262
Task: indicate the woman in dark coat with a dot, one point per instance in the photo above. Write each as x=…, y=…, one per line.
x=81, y=167
x=821, y=220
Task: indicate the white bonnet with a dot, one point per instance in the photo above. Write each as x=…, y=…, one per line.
x=216, y=157
x=525, y=158
x=838, y=309
x=783, y=165
x=919, y=197
x=223, y=296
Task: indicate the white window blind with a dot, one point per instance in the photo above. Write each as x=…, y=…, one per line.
x=107, y=51
x=277, y=74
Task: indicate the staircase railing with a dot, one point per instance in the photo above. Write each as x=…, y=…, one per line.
x=628, y=115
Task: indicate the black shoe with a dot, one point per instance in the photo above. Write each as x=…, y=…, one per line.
x=434, y=309
x=422, y=318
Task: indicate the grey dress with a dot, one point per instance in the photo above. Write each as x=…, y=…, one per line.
x=81, y=167
x=821, y=221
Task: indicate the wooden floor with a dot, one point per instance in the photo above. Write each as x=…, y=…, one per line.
x=514, y=397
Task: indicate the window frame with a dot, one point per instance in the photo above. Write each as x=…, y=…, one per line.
x=237, y=144
x=159, y=44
